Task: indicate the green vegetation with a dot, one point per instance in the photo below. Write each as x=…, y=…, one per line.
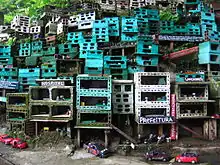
x=30, y=8
x=44, y=139
x=167, y=15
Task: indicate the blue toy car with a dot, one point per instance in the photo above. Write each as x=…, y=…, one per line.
x=98, y=150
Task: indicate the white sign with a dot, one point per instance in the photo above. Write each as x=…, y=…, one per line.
x=193, y=79
x=53, y=83
x=156, y=120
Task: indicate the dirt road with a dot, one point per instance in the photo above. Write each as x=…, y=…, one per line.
x=57, y=156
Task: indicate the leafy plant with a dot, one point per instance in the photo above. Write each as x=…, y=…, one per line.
x=30, y=8
x=167, y=15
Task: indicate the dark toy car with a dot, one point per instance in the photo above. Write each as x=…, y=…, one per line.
x=157, y=155
x=98, y=150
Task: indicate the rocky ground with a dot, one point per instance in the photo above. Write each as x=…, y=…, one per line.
x=58, y=155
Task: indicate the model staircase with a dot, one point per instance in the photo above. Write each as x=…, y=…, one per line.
x=124, y=134
x=191, y=131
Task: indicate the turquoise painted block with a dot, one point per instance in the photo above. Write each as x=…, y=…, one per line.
x=114, y=62
x=91, y=54
x=147, y=60
x=129, y=25
x=33, y=72
x=129, y=37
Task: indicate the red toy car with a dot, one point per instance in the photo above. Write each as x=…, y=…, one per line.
x=2, y=136
x=216, y=116
x=18, y=143
x=187, y=157
x=6, y=139
x=15, y=140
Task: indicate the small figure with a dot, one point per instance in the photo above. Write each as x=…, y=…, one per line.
x=62, y=98
x=72, y=151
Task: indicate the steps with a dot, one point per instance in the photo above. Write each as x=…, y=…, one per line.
x=123, y=134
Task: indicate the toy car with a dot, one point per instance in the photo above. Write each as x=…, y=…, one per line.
x=216, y=116
x=187, y=157
x=157, y=155
x=15, y=140
x=18, y=143
x=2, y=136
x=98, y=150
x=6, y=139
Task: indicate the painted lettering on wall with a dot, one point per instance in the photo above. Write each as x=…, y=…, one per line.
x=173, y=105
x=156, y=119
x=180, y=38
x=173, y=129
x=173, y=132
x=53, y=83
x=194, y=79
x=9, y=84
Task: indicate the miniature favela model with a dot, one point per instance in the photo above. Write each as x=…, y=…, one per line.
x=115, y=77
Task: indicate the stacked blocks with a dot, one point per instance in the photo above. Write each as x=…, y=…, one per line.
x=147, y=52
x=91, y=54
x=145, y=46
x=192, y=99
x=100, y=30
x=86, y=19
x=147, y=60
x=191, y=2
x=116, y=66
x=152, y=94
x=21, y=24
x=27, y=77
x=113, y=26
x=25, y=49
x=17, y=108
x=208, y=22
x=48, y=70
x=48, y=51
x=5, y=55
x=37, y=48
x=129, y=29
x=93, y=66
x=166, y=27
x=93, y=93
x=54, y=103
x=68, y=49
x=181, y=30
x=142, y=20
x=10, y=74
x=193, y=29
x=75, y=37
x=209, y=53
x=122, y=96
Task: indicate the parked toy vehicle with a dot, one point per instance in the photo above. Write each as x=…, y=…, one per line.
x=3, y=136
x=216, y=116
x=18, y=143
x=157, y=155
x=98, y=150
x=15, y=140
x=6, y=139
x=187, y=157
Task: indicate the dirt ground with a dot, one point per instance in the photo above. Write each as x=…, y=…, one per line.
x=58, y=156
